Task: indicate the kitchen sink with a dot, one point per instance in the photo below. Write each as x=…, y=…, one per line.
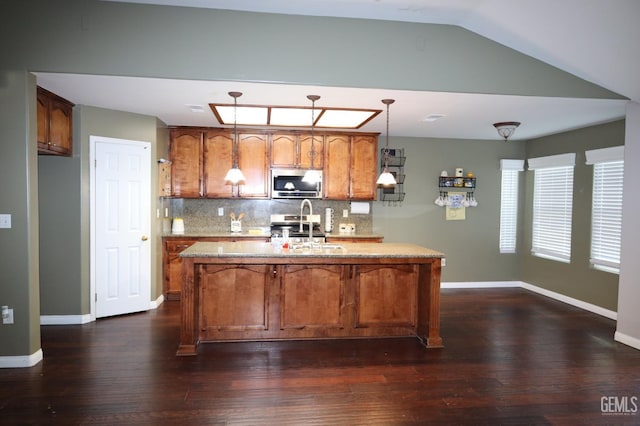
x=319, y=247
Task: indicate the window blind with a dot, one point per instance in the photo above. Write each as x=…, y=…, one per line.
x=606, y=208
x=553, y=207
x=509, y=204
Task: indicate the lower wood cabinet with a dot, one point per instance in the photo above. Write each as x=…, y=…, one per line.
x=239, y=302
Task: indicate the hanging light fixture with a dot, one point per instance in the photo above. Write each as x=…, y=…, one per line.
x=386, y=178
x=234, y=176
x=312, y=175
x=506, y=128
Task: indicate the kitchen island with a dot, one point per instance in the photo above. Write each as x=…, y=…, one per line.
x=236, y=291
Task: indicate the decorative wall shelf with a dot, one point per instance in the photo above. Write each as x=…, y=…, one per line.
x=458, y=184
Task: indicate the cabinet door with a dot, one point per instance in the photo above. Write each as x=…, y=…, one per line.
x=305, y=151
x=386, y=295
x=312, y=296
x=185, y=151
x=43, y=120
x=253, y=159
x=172, y=267
x=234, y=298
x=60, y=125
x=364, y=157
x=218, y=159
x=336, y=170
x=284, y=150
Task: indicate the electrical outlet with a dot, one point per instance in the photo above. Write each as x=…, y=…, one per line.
x=7, y=315
x=345, y=213
x=444, y=261
x=220, y=211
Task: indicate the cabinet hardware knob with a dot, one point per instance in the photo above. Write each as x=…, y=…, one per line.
x=144, y=238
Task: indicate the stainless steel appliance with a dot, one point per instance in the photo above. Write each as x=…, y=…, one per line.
x=283, y=223
x=287, y=183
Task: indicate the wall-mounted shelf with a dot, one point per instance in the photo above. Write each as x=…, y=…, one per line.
x=457, y=183
x=395, y=164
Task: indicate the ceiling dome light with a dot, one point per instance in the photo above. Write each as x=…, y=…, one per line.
x=506, y=128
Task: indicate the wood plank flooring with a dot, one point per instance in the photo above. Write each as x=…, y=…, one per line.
x=510, y=357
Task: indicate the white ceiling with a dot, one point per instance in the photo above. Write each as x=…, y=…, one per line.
x=592, y=39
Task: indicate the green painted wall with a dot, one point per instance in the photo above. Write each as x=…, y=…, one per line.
x=576, y=279
x=64, y=208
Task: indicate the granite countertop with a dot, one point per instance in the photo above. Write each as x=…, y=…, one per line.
x=212, y=234
x=262, y=249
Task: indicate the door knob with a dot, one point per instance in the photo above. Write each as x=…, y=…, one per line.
x=145, y=238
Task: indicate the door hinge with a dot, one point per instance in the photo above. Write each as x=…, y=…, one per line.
x=96, y=298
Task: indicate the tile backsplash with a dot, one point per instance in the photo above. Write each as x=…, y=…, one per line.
x=201, y=215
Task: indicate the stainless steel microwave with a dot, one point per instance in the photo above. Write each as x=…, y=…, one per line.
x=287, y=183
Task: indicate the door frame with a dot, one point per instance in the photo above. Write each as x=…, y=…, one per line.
x=92, y=215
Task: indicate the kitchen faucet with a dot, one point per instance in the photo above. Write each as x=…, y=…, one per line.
x=307, y=202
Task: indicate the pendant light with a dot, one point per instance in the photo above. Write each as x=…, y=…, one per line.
x=234, y=176
x=506, y=128
x=386, y=178
x=312, y=175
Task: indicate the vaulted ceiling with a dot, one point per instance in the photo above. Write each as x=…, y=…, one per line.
x=595, y=40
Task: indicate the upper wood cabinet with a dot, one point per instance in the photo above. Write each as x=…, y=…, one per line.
x=185, y=152
x=253, y=160
x=218, y=159
x=293, y=150
x=350, y=167
x=200, y=159
x=363, y=170
x=55, y=123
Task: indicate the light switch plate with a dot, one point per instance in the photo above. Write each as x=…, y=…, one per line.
x=5, y=221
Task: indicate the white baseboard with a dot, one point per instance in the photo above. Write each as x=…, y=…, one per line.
x=627, y=340
x=64, y=319
x=571, y=301
x=552, y=294
x=21, y=361
x=481, y=284
x=157, y=302
x=83, y=319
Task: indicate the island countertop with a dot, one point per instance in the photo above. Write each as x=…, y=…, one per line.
x=244, y=249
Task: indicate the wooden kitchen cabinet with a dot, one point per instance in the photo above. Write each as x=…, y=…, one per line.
x=237, y=298
x=363, y=170
x=172, y=266
x=55, y=124
x=386, y=295
x=253, y=160
x=312, y=296
x=218, y=159
x=293, y=150
x=185, y=152
x=350, y=167
x=200, y=159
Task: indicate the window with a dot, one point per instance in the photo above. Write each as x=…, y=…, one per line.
x=509, y=204
x=552, y=206
x=606, y=207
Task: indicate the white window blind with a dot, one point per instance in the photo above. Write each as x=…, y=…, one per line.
x=606, y=209
x=509, y=204
x=552, y=206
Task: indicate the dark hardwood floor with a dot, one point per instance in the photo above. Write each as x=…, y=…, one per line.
x=510, y=357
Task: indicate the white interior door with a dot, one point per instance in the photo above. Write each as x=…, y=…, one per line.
x=121, y=248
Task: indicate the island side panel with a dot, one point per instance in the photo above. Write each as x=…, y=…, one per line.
x=429, y=303
x=189, y=306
